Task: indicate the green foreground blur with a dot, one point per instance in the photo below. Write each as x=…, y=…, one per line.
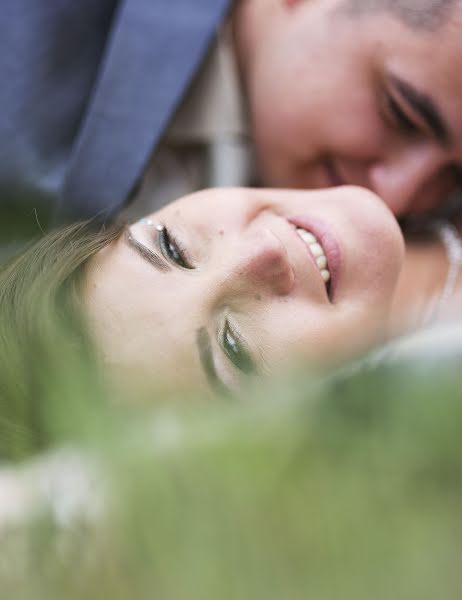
x=350, y=490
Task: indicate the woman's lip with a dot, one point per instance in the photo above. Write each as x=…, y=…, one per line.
x=329, y=243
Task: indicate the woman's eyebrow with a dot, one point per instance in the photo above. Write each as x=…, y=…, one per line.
x=204, y=347
x=148, y=255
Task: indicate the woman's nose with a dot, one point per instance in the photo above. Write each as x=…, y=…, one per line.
x=261, y=263
x=413, y=180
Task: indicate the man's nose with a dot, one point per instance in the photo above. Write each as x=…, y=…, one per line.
x=260, y=263
x=413, y=180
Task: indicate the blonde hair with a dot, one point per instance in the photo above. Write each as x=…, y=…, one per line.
x=42, y=334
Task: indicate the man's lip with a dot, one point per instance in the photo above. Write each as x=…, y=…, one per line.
x=333, y=176
x=330, y=244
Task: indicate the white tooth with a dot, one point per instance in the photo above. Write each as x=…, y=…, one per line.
x=316, y=250
x=307, y=236
x=325, y=275
x=321, y=261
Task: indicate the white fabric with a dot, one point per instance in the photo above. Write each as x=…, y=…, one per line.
x=207, y=143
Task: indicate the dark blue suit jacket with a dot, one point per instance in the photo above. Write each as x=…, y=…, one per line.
x=87, y=89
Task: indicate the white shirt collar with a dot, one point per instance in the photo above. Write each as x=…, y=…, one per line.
x=214, y=107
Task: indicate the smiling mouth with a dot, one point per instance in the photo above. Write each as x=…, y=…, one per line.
x=318, y=253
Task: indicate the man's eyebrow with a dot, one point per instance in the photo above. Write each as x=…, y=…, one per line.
x=204, y=348
x=151, y=257
x=425, y=106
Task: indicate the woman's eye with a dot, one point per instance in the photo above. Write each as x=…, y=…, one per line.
x=171, y=248
x=236, y=351
x=398, y=117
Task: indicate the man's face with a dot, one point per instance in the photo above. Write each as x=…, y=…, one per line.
x=341, y=99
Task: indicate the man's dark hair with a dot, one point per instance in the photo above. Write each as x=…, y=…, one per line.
x=426, y=15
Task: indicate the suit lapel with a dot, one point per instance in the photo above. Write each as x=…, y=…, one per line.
x=155, y=48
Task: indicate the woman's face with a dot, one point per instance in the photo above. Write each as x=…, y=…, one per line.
x=227, y=282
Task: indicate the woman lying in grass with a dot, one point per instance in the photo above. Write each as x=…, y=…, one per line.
x=227, y=283
x=355, y=490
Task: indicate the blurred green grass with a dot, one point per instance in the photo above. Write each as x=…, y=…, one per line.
x=347, y=489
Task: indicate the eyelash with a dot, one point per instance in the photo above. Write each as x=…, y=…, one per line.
x=234, y=348
x=172, y=250
x=397, y=116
